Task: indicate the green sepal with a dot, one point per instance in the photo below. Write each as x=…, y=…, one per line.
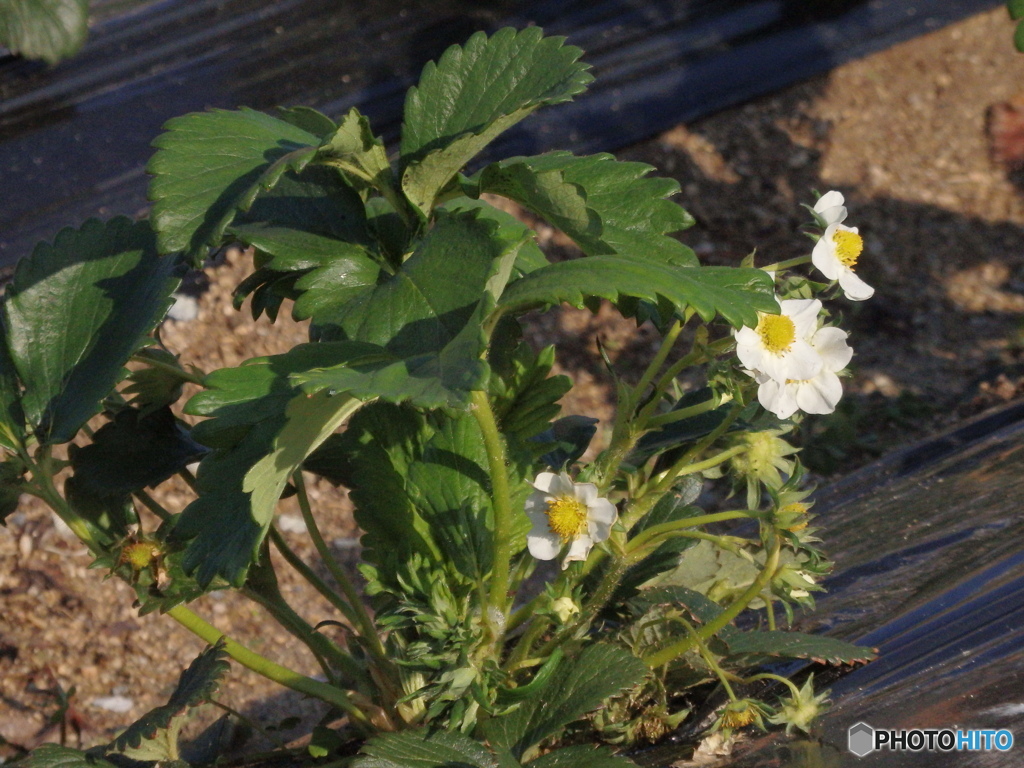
x=11, y=487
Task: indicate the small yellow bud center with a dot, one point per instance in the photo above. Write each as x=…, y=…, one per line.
x=567, y=517
x=848, y=247
x=777, y=333
x=139, y=555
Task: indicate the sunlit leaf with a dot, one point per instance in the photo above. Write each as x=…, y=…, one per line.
x=44, y=29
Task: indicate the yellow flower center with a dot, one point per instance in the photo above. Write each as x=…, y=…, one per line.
x=777, y=333
x=848, y=247
x=567, y=517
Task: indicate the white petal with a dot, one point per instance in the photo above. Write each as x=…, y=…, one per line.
x=586, y=492
x=824, y=255
x=853, y=287
x=800, y=362
x=831, y=199
x=602, y=511
x=555, y=485
x=830, y=343
x=536, y=505
x=543, y=545
x=775, y=398
x=820, y=394
x=804, y=314
x=578, y=550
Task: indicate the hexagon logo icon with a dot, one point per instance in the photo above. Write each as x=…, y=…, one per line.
x=861, y=739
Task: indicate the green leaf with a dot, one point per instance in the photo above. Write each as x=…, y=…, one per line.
x=50, y=30
x=737, y=294
x=605, y=205
x=196, y=685
x=75, y=313
x=56, y=756
x=209, y=165
x=133, y=452
x=798, y=645
x=308, y=119
x=581, y=756
x=530, y=257
x=474, y=93
x=353, y=149
x=420, y=485
x=428, y=316
x=1018, y=37
x=577, y=687
x=12, y=419
x=109, y=515
x=262, y=432
x=425, y=749
x=1016, y=9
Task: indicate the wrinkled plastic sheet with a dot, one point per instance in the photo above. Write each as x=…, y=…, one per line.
x=74, y=139
x=929, y=550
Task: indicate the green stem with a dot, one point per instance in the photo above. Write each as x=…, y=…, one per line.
x=638, y=543
x=709, y=659
x=172, y=369
x=525, y=643
x=682, y=413
x=311, y=576
x=694, y=357
x=778, y=678
x=269, y=669
x=794, y=262
x=153, y=505
x=501, y=501
x=667, y=343
x=190, y=479
x=361, y=617
x=665, y=655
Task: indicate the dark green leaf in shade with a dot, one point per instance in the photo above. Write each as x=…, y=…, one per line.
x=607, y=206
x=420, y=486
x=426, y=749
x=472, y=94
x=196, y=685
x=530, y=256
x=133, y=452
x=11, y=485
x=12, y=419
x=581, y=756
x=50, y=30
x=577, y=687
x=571, y=435
x=56, y=756
x=108, y=515
x=1016, y=9
x=682, y=432
x=76, y=311
x=736, y=294
x=308, y=119
x=210, y=165
x=155, y=387
x=1018, y=37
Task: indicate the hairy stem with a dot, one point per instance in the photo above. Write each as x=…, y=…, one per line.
x=310, y=575
x=501, y=501
x=269, y=669
x=636, y=545
x=665, y=655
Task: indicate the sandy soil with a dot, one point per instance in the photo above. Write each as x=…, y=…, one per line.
x=902, y=134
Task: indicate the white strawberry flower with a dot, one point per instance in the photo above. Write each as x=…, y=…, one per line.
x=818, y=394
x=777, y=347
x=566, y=513
x=837, y=251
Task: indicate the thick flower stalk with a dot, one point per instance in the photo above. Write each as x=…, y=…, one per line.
x=564, y=513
